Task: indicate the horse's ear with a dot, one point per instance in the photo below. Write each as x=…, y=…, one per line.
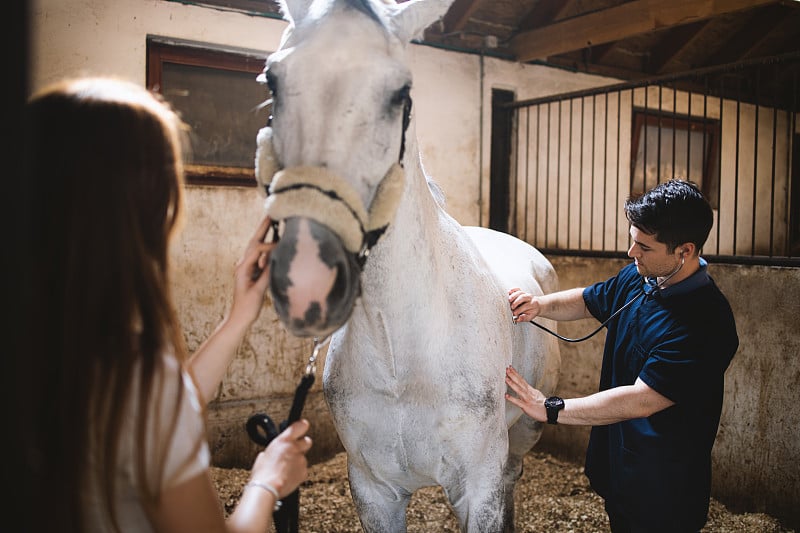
x=411, y=18
x=295, y=10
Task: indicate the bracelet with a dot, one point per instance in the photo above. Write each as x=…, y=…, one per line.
x=270, y=489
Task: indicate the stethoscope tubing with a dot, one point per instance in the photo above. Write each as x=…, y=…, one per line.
x=655, y=285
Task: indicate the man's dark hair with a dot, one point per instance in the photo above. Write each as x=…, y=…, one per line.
x=674, y=212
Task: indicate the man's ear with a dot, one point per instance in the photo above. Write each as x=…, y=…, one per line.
x=686, y=249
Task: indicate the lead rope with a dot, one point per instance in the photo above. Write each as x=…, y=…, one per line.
x=262, y=430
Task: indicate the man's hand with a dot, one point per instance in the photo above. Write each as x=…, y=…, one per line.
x=524, y=306
x=530, y=400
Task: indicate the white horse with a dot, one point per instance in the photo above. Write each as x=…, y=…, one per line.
x=414, y=375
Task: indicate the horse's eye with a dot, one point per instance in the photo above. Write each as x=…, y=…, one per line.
x=401, y=95
x=272, y=83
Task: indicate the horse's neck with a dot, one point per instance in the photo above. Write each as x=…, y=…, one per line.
x=419, y=238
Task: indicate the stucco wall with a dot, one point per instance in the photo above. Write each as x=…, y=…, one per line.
x=756, y=457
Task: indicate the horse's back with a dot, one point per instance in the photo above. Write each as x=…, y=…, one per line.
x=515, y=262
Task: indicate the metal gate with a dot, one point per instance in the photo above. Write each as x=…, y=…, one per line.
x=575, y=158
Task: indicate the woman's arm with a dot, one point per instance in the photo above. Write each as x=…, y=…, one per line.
x=251, y=279
x=194, y=505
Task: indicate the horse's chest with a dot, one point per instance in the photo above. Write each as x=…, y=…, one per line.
x=416, y=408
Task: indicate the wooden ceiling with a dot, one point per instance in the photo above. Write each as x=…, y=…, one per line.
x=624, y=39
x=630, y=40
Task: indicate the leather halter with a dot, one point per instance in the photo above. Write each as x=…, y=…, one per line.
x=316, y=193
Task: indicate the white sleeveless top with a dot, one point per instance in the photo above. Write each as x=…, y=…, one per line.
x=184, y=459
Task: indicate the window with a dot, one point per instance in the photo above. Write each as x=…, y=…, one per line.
x=217, y=95
x=667, y=146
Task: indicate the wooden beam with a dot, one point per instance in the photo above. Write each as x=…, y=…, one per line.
x=672, y=44
x=458, y=15
x=620, y=22
x=544, y=12
x=758, y=28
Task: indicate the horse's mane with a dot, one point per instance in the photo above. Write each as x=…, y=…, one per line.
x=437, y=192
x=364, y=6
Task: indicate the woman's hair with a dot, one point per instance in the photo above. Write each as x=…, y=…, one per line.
x=104, y=185
x=674, y=212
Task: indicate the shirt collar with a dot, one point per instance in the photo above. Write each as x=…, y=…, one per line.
x=695, y=281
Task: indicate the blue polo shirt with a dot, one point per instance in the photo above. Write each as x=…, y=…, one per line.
x=679, y=341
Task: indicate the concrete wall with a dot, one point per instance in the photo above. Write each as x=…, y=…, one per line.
x=756, y=457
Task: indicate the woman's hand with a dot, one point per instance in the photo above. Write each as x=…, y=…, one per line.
x=251, y=277
x=283, y=464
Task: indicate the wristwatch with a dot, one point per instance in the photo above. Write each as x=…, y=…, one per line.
x=553, y=405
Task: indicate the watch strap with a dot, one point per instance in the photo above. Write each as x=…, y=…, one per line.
x=552, y=406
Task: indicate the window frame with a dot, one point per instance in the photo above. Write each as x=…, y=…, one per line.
x=162, y=51
x=267, y=8
x=668, y=122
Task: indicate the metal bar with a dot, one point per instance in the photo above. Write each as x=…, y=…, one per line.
x=772, y=180
x=616, y=192
x=736, y=162
x=569, y=175
x=719, y=167
x=658, y=138
x=688, y=131
x=591, y=203
x=755, y=171
x=689, y=139
x=677, y=76
x=527, y=167
x=558, y=174
x=514, y=212
x=536, y=188
x=580, y=169
x=644, y=140
x=547, y=184
x=789, y=183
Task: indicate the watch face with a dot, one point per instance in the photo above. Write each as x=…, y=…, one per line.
x=554, y=402
x=553, y=405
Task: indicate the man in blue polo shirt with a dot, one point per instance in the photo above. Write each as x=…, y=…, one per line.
x=657, y=411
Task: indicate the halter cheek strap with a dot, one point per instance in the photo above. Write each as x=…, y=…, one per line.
x=318, y=194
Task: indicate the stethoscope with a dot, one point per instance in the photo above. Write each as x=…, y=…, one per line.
x=649, y=286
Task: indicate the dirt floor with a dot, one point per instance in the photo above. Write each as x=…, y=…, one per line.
x=552, y=496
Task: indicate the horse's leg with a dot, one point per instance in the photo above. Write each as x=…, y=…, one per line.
x=380, y=508
x=522, y=436
x=474, y=487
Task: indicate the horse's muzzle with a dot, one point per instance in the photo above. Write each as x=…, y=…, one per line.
x=314, y=280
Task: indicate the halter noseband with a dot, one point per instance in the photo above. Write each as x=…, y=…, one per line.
x=318, y=194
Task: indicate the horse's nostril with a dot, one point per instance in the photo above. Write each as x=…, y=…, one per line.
x=314, y=281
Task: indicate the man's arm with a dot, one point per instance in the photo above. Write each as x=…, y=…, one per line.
x=563, y=305
x=606, y=407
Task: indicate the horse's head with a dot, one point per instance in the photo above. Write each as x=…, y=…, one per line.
x=331, y=158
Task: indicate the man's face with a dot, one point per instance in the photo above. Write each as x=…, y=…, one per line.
x=653, y=258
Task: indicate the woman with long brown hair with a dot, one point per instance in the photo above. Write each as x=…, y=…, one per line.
x=111, y=405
